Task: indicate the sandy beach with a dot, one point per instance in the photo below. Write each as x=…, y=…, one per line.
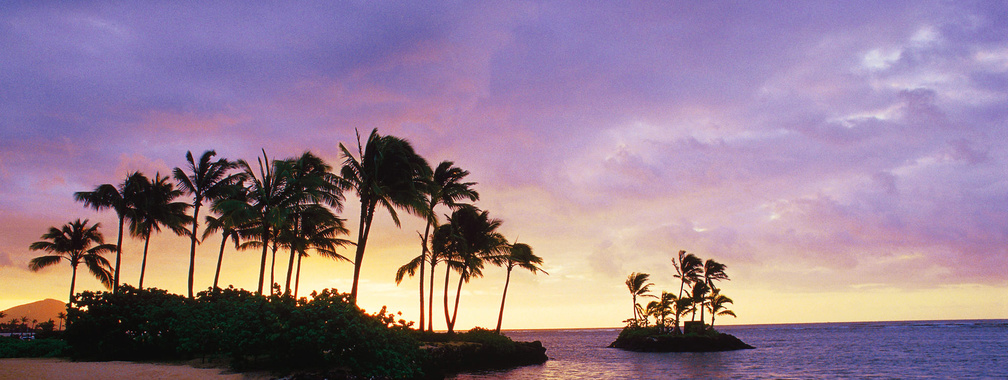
x=65, y=369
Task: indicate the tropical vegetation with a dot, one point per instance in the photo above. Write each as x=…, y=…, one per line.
x=292, y=207
x=76, y=242
x=698, y=291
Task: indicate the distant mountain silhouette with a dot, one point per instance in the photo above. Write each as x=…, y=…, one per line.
x=41, y=311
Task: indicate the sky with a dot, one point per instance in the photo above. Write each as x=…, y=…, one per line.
x=845, y=160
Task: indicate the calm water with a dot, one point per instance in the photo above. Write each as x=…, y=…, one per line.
x=871, y=350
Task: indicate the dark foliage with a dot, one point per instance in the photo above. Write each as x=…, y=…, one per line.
x=36, y=348
x=275, y=333
x=477, y=349
x=648, y=339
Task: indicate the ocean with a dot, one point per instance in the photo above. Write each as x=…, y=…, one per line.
x=974, y=349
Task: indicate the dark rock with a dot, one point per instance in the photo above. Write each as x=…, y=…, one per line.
x=679, y=343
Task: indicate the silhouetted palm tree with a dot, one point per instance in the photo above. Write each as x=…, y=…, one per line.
x=689, y=270
x=205, y=180
x=476, y=241
x=155, y=206
x=713, y=271
x=75, y=242
x=519, y=255
x=61, y=316
x=318, y=229
x=639, y=286
x=228, y=224
x=699, y=297
x=264, y=210
x=445, y=187
x=718, y=305
x=311, y=185
x=389, y=173
x=662, y=308
x=121, y=199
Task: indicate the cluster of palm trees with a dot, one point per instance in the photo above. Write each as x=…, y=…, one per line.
x=292, y=205
x=697, y=291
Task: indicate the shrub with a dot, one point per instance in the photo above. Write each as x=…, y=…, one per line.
x=36, y=348
x=252, y=331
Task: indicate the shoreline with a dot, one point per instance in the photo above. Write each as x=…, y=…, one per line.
x=59, y=368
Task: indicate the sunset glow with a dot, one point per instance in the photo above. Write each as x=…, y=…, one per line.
x=846, y=161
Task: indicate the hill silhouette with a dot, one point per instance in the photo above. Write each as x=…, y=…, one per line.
x=41, y=311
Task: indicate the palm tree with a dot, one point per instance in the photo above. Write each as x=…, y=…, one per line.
x=445, y=187
x=638, y=285
x=155, y=206
x=121, y=199
x=662, y=308
x=717, y=304
x=227, y=224
x=712, y=271
x=389, y=173
x=519, y=255
x=312, y=186
x=689, y=270
x=315, y=228
x=699, y=297
x=264, y=210
x=75, y=242
x=61, y=316
x=206, y=180
x=475, y=240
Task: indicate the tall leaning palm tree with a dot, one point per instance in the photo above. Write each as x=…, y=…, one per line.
x=388, y=173
x=75, y=242
x=156, y=207
x=205, y=180
x=638, y=285
x=519, y=255
x=120, y=199
x=445, y=186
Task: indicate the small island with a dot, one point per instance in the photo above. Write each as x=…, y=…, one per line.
x=697, y=292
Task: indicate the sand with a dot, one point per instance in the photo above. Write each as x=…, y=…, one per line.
x=65, y=369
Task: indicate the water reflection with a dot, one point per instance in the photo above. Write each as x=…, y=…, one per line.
x=921, y=350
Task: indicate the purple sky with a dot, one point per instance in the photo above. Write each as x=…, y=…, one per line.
x=844, y=155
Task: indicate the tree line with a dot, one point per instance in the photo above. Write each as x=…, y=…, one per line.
x=697, y=291
x=292, y=206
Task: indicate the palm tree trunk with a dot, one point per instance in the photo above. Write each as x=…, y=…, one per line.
x=500, y=316
x=430, y=301
x=634, y=308
x=682, y=284
x=290, y=271
x=297, y=277
x=143, y=264
x=115, y=282
x=458, y=294
x=192, y=248
x=423, y=263
x=273, y=265
x=448, y=321
x=365, y=227
x=262, y=265
x=290, y=263
x=220, y=257
x=73, y=281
